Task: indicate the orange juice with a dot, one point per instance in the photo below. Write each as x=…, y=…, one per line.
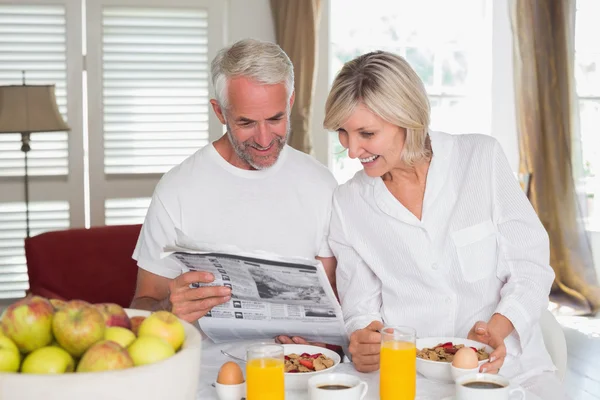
x=398, y=371
x=264, y=379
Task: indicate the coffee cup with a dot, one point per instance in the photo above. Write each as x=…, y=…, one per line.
x=336, y=387
x=486, y=386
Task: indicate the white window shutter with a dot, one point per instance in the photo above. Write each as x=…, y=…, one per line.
x=148, y=95
x=126, y=211
x=33, y=39
x=155, y=87
x=42, y=38
x=43, y=216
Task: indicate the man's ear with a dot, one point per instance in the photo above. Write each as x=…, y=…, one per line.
x=218, y=110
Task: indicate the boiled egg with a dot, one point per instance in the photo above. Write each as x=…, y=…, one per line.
x=230, y=374
x=465, y=358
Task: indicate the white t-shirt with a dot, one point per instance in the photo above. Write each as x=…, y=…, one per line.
x=284, y=209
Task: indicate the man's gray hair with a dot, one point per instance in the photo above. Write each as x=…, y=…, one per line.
x=260, y=61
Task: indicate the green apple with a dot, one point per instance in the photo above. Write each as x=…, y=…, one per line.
x=28, y=323
x=119, y=335
x=105, y=356
x=57, y=303
x=149, y=349
x=135, y=323
x=48, y=360
x=114, y=315
x=77, y=326
x=165, y=325
x=10, y=358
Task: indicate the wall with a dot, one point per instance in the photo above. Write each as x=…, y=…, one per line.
x=245, y=21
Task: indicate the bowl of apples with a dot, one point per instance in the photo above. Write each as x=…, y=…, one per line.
x=52, y=349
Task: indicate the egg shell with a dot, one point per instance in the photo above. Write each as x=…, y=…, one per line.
x=465, y=358
x=230, y=374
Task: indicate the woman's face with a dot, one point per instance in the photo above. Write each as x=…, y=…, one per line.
x=376, y=143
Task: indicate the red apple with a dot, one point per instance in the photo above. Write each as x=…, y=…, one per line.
x=28, y=323
x=104, y=356
x=114, y=315
x=77, y=327
x=136, y=322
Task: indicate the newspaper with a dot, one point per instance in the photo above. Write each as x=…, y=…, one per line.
x=271, y=295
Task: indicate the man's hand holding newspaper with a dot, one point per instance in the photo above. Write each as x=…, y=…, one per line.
x=192, y=303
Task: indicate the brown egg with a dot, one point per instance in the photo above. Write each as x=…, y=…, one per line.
x=465, y=358
x=230, y=374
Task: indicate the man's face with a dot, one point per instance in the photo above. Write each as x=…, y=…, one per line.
x=257, y=121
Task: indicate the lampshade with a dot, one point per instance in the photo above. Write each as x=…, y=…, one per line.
x=29, y=108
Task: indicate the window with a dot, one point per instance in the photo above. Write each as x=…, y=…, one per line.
x=154, y=87
x=35, y=38
x=587, y=75
x=148, y=87
x=145, y=109
x=448, y=48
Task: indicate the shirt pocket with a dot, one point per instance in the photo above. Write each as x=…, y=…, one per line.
x=476, y=247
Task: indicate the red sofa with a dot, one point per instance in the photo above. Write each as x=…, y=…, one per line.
x=93, y=264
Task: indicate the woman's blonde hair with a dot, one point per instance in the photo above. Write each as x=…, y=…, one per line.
x=387, y=85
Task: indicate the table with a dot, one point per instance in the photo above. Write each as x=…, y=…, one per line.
x=212, y=359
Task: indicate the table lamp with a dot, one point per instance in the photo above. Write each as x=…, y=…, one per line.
x=26, y=109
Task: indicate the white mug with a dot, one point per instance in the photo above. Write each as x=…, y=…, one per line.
x=355, y=388
x=504, y=392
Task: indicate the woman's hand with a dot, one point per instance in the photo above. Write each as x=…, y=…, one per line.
x=365, y=345
x=493, y=334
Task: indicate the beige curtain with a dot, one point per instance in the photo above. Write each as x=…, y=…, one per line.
x=544, y=86
x=296, y=25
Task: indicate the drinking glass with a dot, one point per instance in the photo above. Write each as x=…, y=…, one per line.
x=264, y=372
x=398, y=363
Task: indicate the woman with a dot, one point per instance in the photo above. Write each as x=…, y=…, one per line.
x=434, y=232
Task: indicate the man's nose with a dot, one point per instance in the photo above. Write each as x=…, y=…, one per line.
x=263, y=136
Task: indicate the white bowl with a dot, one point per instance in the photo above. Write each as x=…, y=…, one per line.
x=299, y=380
x=177, y=377
x=438, y=370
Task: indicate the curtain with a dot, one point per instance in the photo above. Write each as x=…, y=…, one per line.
x=546, y=105
x=296, y=31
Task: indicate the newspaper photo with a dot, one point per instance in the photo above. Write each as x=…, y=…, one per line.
x=271, y=296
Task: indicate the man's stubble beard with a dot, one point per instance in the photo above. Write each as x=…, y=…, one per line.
x=241, y=149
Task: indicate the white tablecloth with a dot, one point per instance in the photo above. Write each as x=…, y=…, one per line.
x=212, y=359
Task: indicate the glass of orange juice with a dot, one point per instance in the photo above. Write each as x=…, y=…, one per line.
x=398, y=363
x=264, y=372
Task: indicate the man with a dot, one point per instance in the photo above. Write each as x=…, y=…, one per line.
x=247, y=189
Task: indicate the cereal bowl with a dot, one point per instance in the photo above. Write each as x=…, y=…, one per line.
x=299, y=380
x=441, y=371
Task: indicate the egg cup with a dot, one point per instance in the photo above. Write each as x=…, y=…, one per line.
x=231, y=392
x=458, y=372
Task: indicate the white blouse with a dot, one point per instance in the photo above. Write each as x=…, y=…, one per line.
x=479, y=249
